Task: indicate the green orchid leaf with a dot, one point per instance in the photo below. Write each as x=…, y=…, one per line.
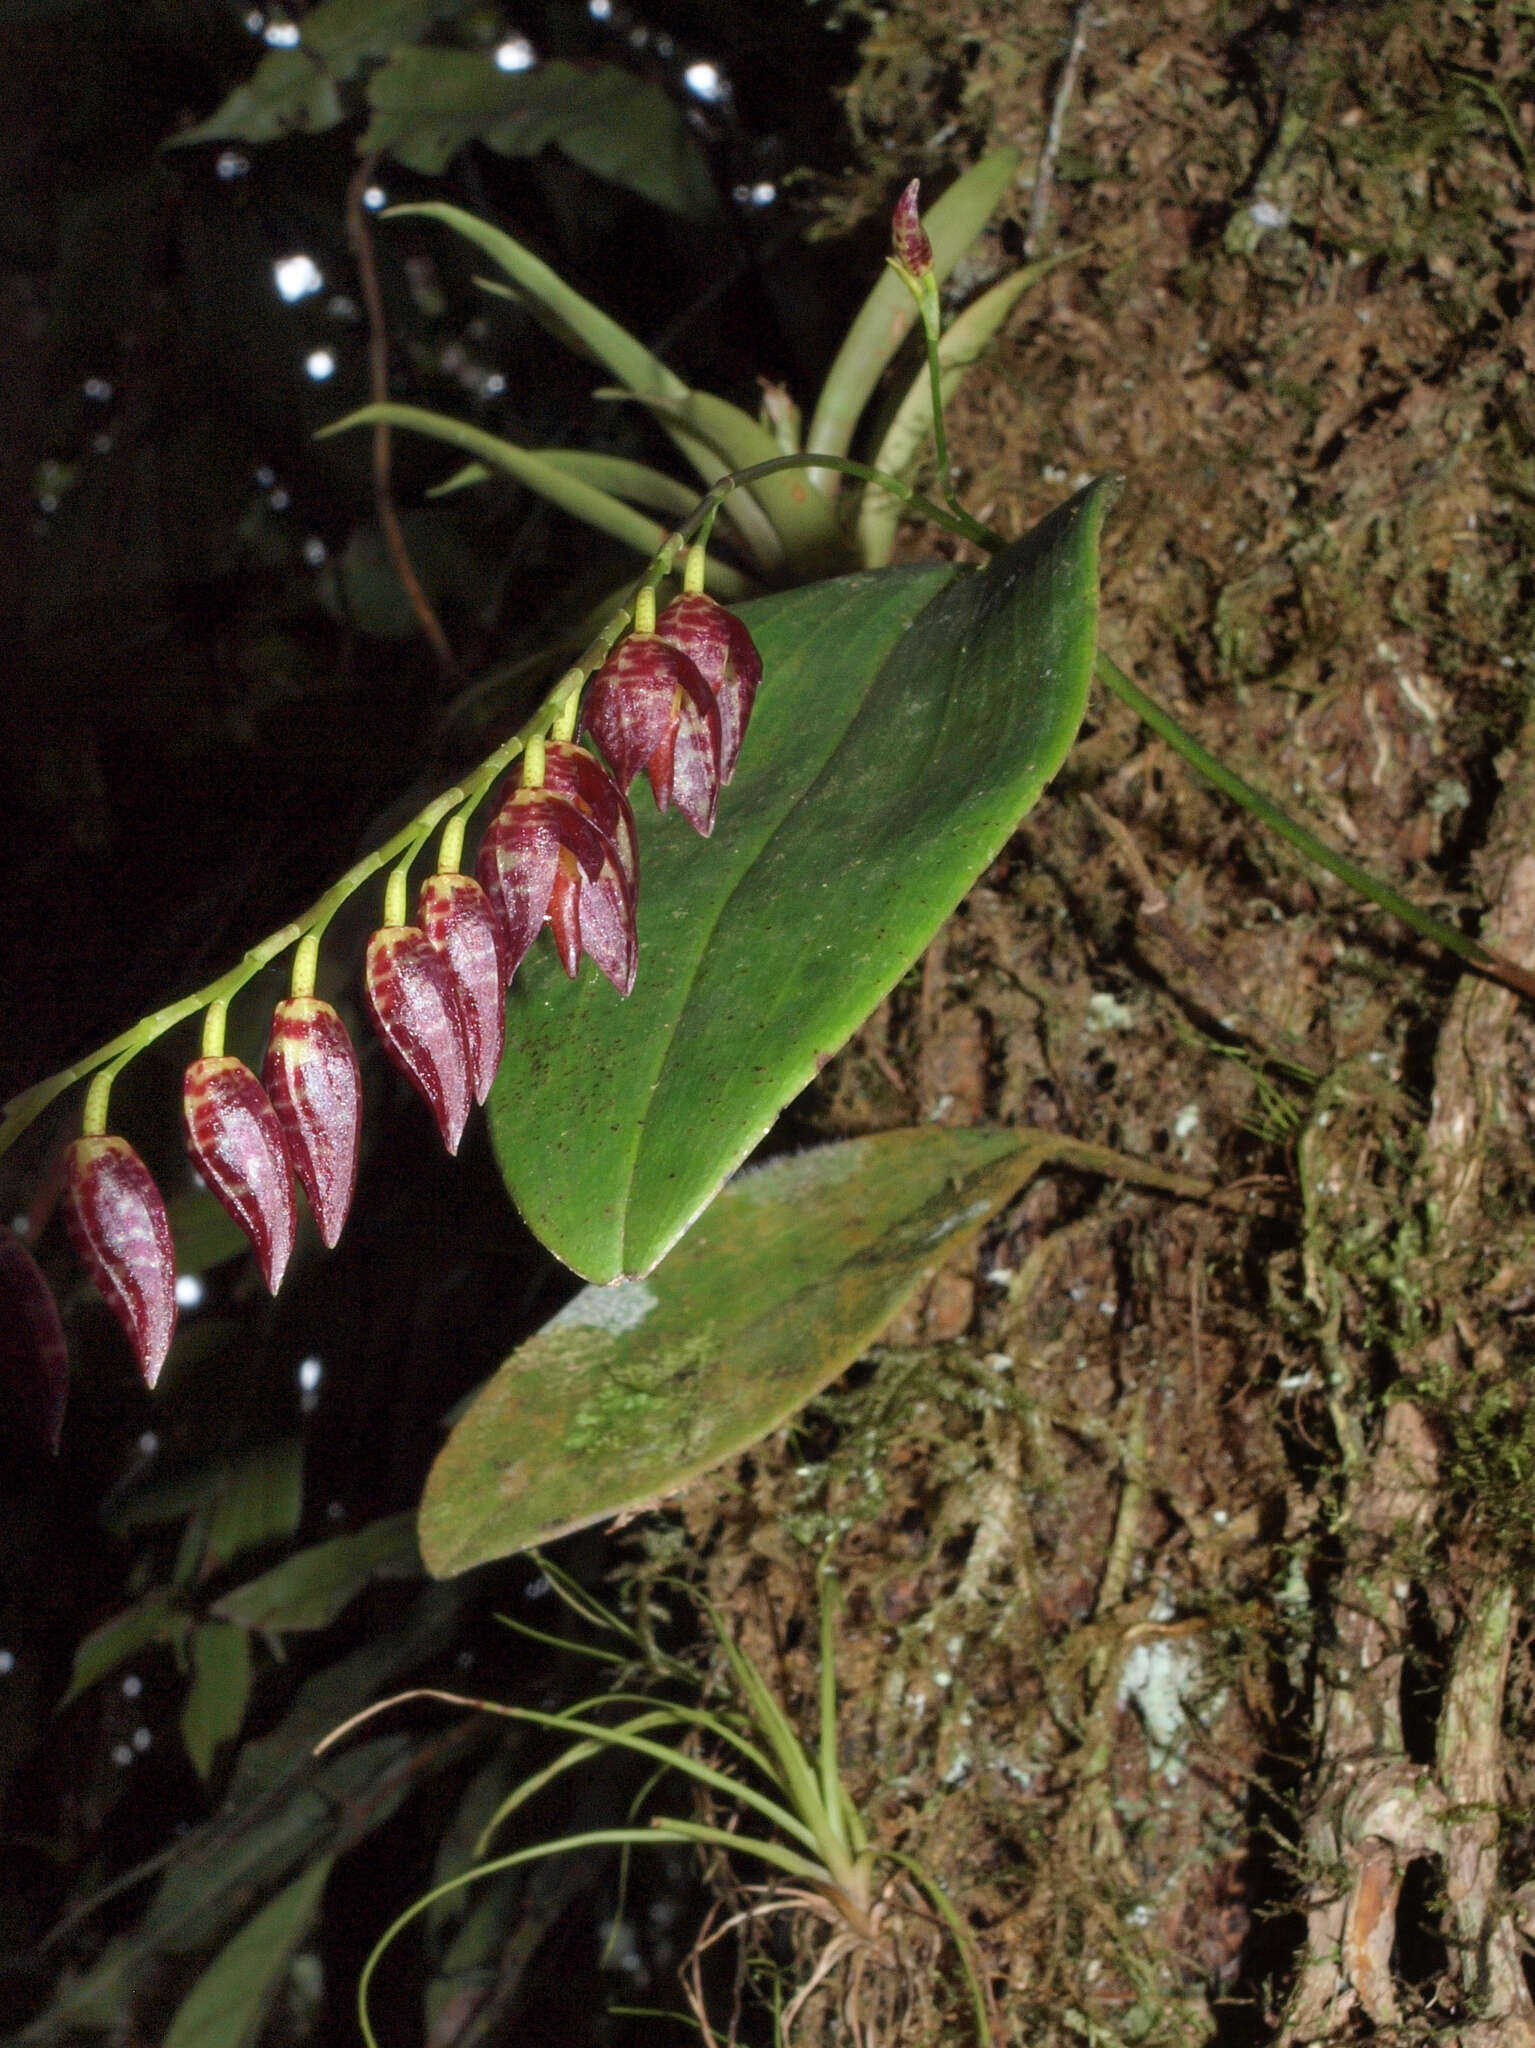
x=153, y=1620
x=631, y=1390
x=214, y=1709
x=561, y=486
x=428, y=103
x=888, y=314
x=309, y=1589
x=288, y=93
x=574, y=319
x=907, y=719
x=911, y=425
x=636, y=482
x=227, y=2005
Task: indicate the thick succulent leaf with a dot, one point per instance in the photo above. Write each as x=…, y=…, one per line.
x=227, y=2005
x=887, y=315
x=631, y=1390
x=907, y=719
x=428, y=103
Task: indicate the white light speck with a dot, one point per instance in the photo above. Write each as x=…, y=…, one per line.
x=536, y=1589
x=1264, y=214
x=600, y=10
x=101, y=444
x=320, y=364
x=516, y=54
x=297, y=276
x=666, y=49
x=142, y=1739
x=148, y=1444
x=7, y=1662
x=48, y=502
x=279, y=501
x=465, y=1660
x=494, y=384
x=334, y=1511
x=375, y=197
x=342, y=308
x=230, y=164
x=122, y=1755
x=189, y=1290
x=255, y=21
x=265, y=478
x=133, y=1685
x=310, y=1373
x=22, y=1225
x=704, y=82
x=764, y=192
x=315, y=553
x=97, y=388
x=280, y=35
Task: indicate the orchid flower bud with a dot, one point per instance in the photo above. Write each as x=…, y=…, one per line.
x=412, y=996
x=122, y=1236
x=909, y=244
x=459, y=920
x=310, y=1073
x=235, y=1142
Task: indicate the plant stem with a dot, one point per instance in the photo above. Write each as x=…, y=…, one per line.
x=1481, y=957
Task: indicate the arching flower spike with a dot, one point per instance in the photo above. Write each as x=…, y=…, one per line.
x=649, y=707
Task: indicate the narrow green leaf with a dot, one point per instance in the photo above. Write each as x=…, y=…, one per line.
x=911, y=426
x=308, y=1590
x=635, y=482
x=576, y=321
x=907, y=720
x=810, y=542
x=886, y=317
x=560, y=486
x=203, y=1232
x=228, y=2004
x=214, y=1708
x=632, y=1390
x=428, y=103
x=154, y=1619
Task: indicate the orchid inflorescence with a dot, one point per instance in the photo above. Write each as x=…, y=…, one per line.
x=673, y=698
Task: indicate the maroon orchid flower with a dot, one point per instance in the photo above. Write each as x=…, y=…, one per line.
x=235, y=1142
x=122, y=1236
x=561, y=852
x=649, y=707
x=412, y=996
x=725, y=655
x=461, y=922
x=310, y=1073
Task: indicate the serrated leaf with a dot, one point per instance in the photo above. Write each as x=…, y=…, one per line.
x=907, y=719
x=155, y=1619
x=308, y=1590
x=228, y=2004
x=428, y=103
x=214, y=1708
x=632, y=1390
